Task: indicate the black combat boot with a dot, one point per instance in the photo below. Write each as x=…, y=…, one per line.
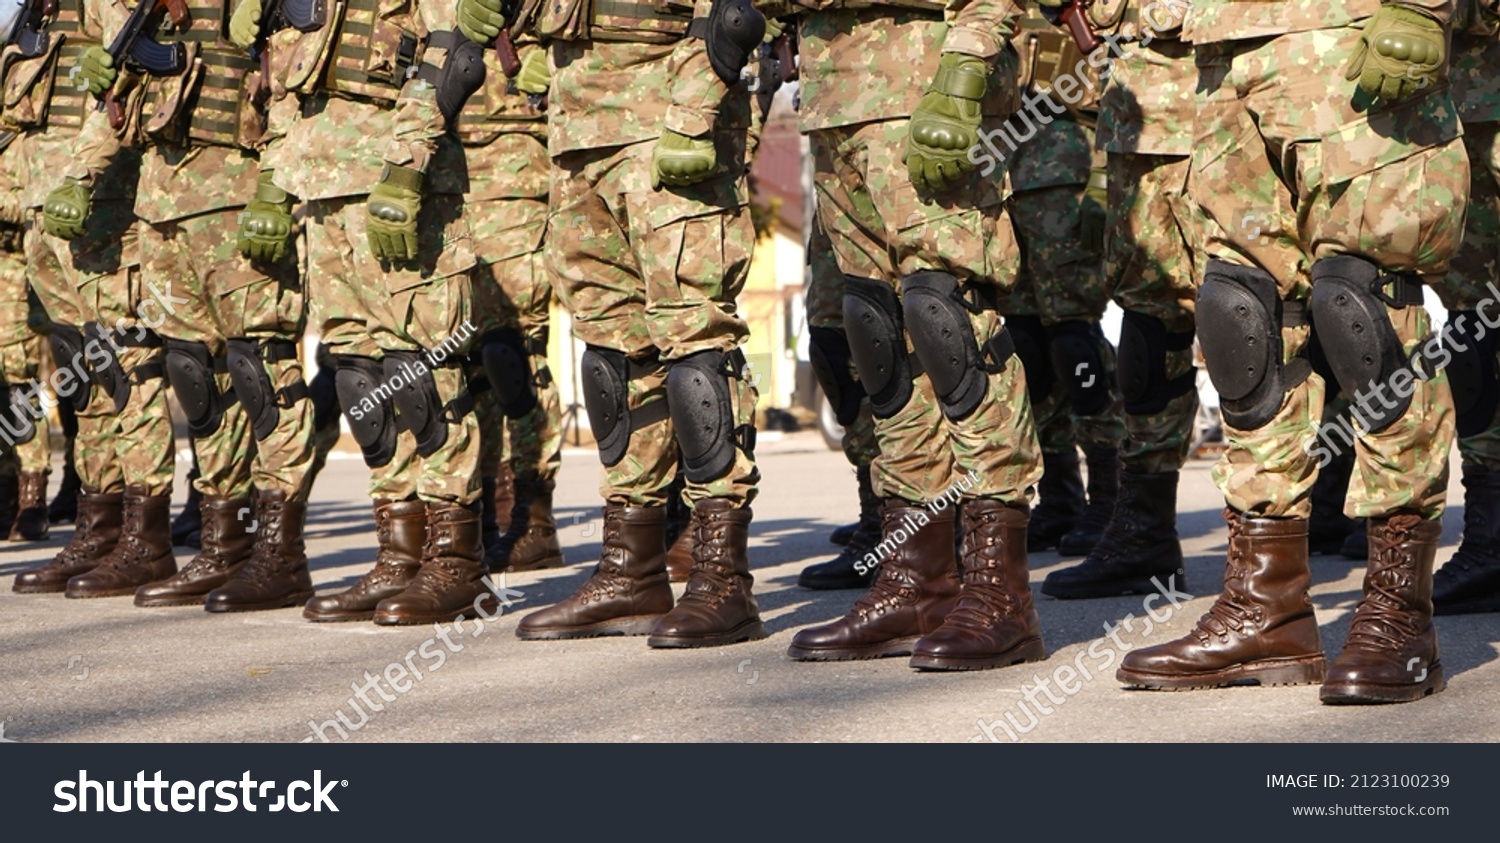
x=1140, y=543
x=1104, y=490
x=1060, y=501
x=1469, y=582
x=845, y=570
x=1329, y=528
x=31, y=516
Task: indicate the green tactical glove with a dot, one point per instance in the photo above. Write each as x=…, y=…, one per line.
x=480, y=20
x=1401, y=51
x=95, y=71
x=946, y=124
x=774, y=30
x=392, y=214
x=680, y=161
x=266, y=225
x=1093, y=213
x=65, y=210
x=244, y=24
x=534, y=77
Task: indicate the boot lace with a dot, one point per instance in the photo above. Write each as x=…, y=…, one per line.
x=1234, y=609
x=984, y=599
x=1382, y=620
x=609, y=577
x=712, y=579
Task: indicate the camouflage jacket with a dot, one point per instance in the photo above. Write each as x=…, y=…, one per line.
x=874, y=63
x=1475, y=71
x=1214, y=21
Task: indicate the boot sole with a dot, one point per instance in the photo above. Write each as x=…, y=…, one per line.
x=1354, y=693
x=540, y=565
x=748, y=631
x=638, y=625
x=266, y=605
x=491, y=607
x=885, y=650
x=1270, y=673
x=1029, y=650
x=168, y=602
x=1118, y=588
x=338, y=617
x=39, y=589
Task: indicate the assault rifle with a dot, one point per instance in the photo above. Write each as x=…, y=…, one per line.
x=136, y=47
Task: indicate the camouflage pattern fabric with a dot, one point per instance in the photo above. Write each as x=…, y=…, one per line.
x=1381, y=185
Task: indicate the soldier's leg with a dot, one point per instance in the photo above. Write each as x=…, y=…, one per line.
x=833, y=364
x=125, y=314
x=1149, y=264
x=1470, y=580
x=25, y=445
x=337, y=311
x=50, y=266
x=594, y=271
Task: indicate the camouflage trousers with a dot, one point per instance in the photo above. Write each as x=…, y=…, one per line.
x=1381, y=184
x=1061, y=278
x=96, y=279
x=21, y=349
x=217, y=295
x=1149, y=251
x=825, y=309
x=1476, y=264
x=366, y=309
x=882, y=229
x=655, y=275
x=506, y=211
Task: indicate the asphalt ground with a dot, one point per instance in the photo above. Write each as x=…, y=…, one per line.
x=103, y=670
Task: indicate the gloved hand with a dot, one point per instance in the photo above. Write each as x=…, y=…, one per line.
x=680, y=161
x=1401, y=51
x=534, y=77
x=774, y=30
x=480, y=20
x=244, y=24
x=392, y=214
x=65, y=209
x=95, y=71
x=946, y=124
x=266, y=224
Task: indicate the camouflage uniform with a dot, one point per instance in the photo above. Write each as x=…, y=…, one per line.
x=102, y=320
x=506, y=206
x=915, y=259
x=1470, y=580
x=25, y=452
x=1353, y=202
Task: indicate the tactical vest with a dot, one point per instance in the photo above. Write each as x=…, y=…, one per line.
x=1048, y=53
x=208, y=103
x=830, y=5
x=641, y=21
x=34, y=95
x=356, y=53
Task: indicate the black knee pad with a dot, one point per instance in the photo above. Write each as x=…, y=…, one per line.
x=1144, y=344
x=873, y=324
x=249, y=368
x=20, y=423
x=190, y=371
x=105, y=365
x=606, y=375
x=419, y=405
x=732, y=31
x=828, y=351
x=937, y=319
x=698, y=395
x=68, y=353
x=369, y=406
x=507, y=365
x=1472, y=374
x=1240, y=317
x=1079, y=363
x=1030, y=338
x=1350, y=309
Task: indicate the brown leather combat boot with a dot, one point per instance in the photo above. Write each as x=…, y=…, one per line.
x=400, y=532
x=10, y=502
x=628, y=592
x=226, y=545
x=1261, y=630
x=913, y=593
x=95, y=534
x=31, y=515
x=451, y=580
x=276, y=575
x=1391, y=654
x=678, y=533
x=530, y=542
x=994, y=623
x=143, y=553
x=718, y=607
